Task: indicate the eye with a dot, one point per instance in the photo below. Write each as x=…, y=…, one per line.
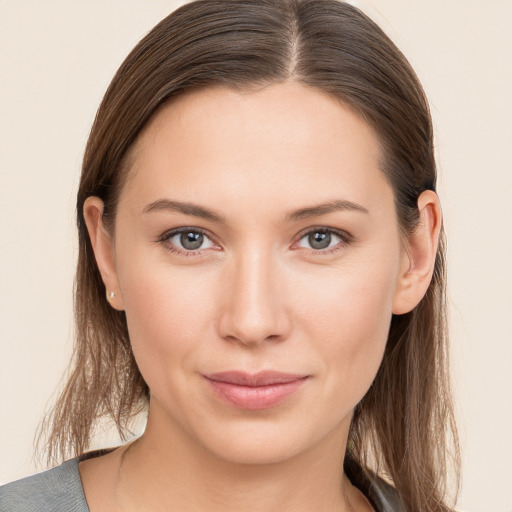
x=188, y=240
x=323, y=239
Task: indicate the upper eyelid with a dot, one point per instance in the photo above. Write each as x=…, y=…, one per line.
x=167, y=235
x=176, y=231
x=344, y=235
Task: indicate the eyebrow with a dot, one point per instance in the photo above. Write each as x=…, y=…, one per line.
x=324, y=208
x=300, y=214
x=186, y=208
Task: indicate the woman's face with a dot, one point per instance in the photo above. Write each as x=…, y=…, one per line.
x=257, y=256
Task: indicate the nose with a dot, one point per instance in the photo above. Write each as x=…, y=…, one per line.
x=254, y=303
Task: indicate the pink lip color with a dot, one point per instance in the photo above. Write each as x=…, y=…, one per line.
x=253, y=392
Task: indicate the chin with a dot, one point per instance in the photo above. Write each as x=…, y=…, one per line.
x=259, y=450
x=269, y=441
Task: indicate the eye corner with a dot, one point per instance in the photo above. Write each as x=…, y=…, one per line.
x=178, y=246
x=325, y=246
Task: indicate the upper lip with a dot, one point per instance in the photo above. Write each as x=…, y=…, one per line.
x=264, y=378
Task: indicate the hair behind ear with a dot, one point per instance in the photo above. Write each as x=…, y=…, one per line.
x=405, y=426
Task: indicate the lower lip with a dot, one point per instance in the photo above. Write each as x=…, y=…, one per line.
x=255, y=397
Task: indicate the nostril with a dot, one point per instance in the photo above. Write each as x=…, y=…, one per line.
x=254, y=341
x=253, y=306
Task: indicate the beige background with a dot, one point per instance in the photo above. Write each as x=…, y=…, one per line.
x=56, y=59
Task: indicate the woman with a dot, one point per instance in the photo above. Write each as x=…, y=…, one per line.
x=261, y=266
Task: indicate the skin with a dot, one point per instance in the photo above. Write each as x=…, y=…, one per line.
x=255, y=296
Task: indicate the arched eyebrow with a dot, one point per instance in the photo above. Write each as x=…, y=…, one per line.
x=205, y=213
x=324, y=208
x=185, y=208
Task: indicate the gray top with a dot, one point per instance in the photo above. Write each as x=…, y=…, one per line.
x=60, y=490
x=56, y=490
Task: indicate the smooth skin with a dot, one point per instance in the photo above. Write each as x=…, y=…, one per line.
x=295, y=262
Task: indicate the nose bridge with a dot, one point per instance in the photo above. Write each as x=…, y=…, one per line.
x=254, y=310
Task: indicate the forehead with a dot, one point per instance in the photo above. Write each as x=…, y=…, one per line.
x=288, y=137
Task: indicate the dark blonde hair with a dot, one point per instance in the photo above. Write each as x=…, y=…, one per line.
x=403, y=428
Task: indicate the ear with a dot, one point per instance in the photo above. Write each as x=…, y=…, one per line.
x=419, y=255
x=103, y=247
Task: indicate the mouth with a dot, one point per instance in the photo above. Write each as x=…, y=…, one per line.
x=258, y=391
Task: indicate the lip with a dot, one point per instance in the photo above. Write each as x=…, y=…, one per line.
x=258, y=391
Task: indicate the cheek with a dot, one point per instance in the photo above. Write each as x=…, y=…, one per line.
x=168, y=314
x=347, y=316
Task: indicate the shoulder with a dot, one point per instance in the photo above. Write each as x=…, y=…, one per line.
x=56, y=490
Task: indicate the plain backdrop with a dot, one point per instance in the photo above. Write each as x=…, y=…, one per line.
x=56, y=59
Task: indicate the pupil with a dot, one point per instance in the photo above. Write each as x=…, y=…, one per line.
x=319, y=240
x=191, y=240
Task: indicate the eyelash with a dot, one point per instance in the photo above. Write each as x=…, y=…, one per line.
x=345, y=240
x=166, y=237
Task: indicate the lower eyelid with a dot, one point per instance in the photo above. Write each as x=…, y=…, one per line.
x=344, y=239
x=200, y=249
x=165, y=239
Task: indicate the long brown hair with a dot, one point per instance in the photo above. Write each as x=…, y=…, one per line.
x=404, y=427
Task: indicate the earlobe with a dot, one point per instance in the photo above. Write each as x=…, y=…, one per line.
x=103, y=248
x=420, y=255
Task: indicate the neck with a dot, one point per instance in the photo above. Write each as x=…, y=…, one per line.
x=171, y=468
